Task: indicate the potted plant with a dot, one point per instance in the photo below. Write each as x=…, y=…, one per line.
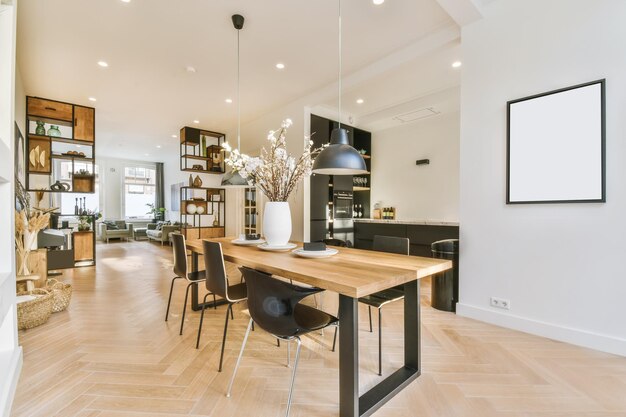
x=157, y=213
x=277, y=174
x=84, y=220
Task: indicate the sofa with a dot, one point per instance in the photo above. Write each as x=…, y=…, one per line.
x=160, y=231
x=117, y=229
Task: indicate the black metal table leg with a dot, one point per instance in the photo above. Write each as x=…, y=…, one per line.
x=348, y=357
x=195, y=304
x=378, y=395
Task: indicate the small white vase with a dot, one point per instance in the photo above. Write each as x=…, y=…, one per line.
x=277, y=223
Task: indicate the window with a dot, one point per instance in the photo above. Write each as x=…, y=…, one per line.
x=139, y=190
x=70, y=201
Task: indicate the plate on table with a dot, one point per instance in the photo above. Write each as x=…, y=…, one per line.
x=244, y=242
x=277, y=248
x=315, y=253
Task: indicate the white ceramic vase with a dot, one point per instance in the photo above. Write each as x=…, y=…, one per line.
x=277, y=223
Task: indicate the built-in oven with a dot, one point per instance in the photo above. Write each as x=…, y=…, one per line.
x=342, y=225
x=342, y=204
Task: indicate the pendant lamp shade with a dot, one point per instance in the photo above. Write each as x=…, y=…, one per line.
x=339, y=158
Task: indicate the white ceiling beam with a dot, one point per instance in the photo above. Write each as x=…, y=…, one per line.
x=463, y=12
x=419, y=48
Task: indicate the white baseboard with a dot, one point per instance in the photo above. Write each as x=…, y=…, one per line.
x=578, y=337
x=8, y=382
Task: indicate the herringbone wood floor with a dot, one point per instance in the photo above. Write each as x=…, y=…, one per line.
x=112, y=355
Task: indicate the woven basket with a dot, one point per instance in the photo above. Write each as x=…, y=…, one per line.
x=61, y=294
x=34, y=312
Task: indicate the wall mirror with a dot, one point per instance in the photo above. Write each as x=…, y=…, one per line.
x=556, y=146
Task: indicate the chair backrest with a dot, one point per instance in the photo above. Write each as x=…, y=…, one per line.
x=216, y=279
x=391, y=244
x=180, y=255
x=272, y=302
x=336, y=242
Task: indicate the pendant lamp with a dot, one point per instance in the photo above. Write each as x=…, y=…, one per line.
x=232, y=178
x=339, y=158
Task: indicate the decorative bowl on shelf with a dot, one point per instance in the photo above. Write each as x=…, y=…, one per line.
x=199, y=210
x=197, y=198
x=198, y=167
x=191, y=209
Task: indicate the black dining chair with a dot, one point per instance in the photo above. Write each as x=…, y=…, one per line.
x=337, y=242
x=275, y=307
x=181, y=271
x=217, y=284
x=389, y=244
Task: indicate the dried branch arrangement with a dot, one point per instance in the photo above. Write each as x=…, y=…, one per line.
x=276, y=172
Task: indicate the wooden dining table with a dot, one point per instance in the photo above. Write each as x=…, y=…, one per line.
x=352, y=273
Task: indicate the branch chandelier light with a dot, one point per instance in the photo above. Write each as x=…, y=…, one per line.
x=233, y=178
x=339, y=158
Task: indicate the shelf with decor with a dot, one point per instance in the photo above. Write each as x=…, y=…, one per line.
x=56, y=132
x=250, y=211
x=201, y=151
x=202, y=212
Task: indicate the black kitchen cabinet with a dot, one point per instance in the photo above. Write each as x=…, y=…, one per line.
x=420, y=235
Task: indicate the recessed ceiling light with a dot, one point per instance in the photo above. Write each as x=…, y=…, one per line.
x=92, y=99
x=103, y=64
x=158, y=146
x=196, y=121
x=280, y=65
x=359, y=101
x=174, y=136
x=378, y=2
x=146, y=154
x=126, y=1
x=456, y=64
x=191, y=69
x=229, y=100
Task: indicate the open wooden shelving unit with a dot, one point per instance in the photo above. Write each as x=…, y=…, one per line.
x=212, y=221
x=76, y=124
x=201, y=151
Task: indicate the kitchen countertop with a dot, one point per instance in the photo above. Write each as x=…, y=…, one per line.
x=415, y=222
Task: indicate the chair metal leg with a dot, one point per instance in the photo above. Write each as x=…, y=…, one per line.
x=214, y=303
x=278, y=342
x=369, y=312
x=182, y=322
x=293, y=375
x=231, y=314
x=201, y=319
x=243, y=346
x=335, y=338
x=169, y=299
x=380, y=341
x=288, y=353
x=228, y=310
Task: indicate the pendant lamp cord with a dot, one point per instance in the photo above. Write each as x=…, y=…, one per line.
x=340, y=63
x=238, y=98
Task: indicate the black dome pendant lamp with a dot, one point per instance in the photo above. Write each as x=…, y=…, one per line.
x=339, y=158
x=234, y=179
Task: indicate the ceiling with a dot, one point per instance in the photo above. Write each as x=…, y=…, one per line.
x=146, y=94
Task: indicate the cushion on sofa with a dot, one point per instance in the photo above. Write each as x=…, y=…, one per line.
x=110, y=225
x=121, y=224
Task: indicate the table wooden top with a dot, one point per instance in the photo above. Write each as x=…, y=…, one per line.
x=352, y=272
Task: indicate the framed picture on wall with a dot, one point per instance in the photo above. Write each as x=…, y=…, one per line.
x=556, y=146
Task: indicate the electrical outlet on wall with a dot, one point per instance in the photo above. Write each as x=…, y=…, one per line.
x=500, y=303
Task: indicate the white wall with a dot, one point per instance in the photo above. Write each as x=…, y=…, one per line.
x=10, y=352
x=426, y=192
x=560, y=265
